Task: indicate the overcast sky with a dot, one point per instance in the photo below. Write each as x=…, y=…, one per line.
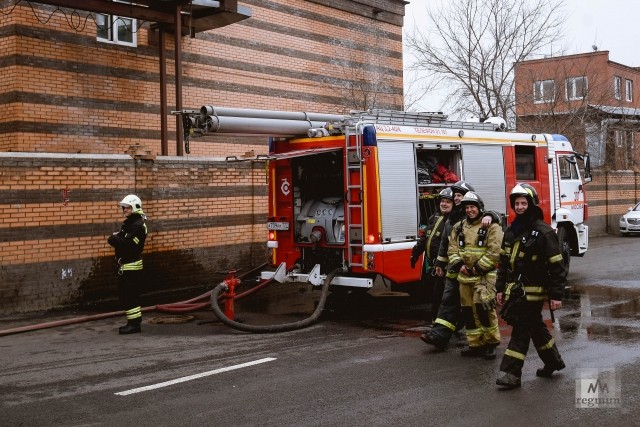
x=611, y=25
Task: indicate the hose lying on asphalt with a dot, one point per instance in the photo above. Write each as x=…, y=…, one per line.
x=284, y=327
x=178, y=307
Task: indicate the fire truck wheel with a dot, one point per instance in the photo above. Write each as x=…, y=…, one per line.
x=565, y=248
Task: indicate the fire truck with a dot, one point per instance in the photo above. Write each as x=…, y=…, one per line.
x=350, y=192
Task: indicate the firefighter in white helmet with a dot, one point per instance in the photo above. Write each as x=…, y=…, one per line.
x=531, y=271
x=448, y=319
x=473, y=253
x=128, y=244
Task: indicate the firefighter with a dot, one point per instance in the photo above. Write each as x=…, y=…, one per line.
x=447, y=320
x=429, y=243
x=128, y=244
x=531, y=270
x=474, y=252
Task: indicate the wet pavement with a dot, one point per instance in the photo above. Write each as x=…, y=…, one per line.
x=361, y=364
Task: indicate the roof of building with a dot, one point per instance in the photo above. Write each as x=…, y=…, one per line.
x=620, y=111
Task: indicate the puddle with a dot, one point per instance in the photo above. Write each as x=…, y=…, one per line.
x=608, y=311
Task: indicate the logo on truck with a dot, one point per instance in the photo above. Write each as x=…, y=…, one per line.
x=285, y=187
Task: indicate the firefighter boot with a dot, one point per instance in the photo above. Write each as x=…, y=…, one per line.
x=490, y=352
x=507, y=380
x=473, y=351
x=132, y=327
x=431, y=340
x=548, y=370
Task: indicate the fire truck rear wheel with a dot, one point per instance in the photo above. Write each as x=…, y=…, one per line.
x=565, y=247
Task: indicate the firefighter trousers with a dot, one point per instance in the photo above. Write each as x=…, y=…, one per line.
x=530, y=327
x=436, y=285
x=448, y=313
x=481, y=324
x=129, y=288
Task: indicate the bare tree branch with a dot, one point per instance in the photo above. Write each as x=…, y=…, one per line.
x=470, y=47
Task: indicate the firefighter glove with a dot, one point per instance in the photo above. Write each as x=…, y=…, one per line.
x=488, y=297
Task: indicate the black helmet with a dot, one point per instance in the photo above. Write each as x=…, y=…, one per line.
x=526, y=191
x=471, y=198
x=461, y=187
x=446, y=193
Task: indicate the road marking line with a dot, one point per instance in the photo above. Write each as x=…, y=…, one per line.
x=193, y=377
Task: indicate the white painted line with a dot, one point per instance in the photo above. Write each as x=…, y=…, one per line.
x=193, y=377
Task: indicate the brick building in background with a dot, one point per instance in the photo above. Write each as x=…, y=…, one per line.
x=81, y=129
x=595, y=103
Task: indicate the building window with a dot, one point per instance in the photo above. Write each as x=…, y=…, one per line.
x=618, y=136
x=629, y=90
x=576, y=88
x=617, y=87
x=116, y=29
x=544, y=91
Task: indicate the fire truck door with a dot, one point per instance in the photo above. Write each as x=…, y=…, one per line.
x=398, y=191
x=483, y=168
x=571, y=194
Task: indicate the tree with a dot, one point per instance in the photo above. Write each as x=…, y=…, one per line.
x=470, y=49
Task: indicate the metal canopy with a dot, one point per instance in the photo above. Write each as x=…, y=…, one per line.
x=196, y=15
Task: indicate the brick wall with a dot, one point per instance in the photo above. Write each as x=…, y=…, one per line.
x=65, y=92
x=609, y=195
x=73, y=106
x=57, y=210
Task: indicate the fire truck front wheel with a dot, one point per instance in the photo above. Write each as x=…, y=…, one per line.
x=565, y=246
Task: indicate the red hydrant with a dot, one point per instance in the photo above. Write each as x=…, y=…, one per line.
x=231, y=281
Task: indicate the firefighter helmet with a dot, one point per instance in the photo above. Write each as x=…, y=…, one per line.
x=472, y=198
x=524, y=190
x=461, y=187
x=446, y=193
x=133, y=201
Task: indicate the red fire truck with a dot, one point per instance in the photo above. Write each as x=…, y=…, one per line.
x=351, y=191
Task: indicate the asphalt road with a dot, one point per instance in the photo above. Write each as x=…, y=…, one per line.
x=367, y=369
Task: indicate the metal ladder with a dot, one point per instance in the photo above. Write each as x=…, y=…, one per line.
x=355, y=208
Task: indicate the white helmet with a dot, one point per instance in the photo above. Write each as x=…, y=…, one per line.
x=133, y=201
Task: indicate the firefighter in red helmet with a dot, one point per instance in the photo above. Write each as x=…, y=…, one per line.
x=531, y=271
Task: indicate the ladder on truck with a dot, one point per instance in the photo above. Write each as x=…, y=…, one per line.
x=354, y=204
x=354, y=212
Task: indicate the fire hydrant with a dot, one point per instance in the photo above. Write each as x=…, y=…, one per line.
x=231, y=281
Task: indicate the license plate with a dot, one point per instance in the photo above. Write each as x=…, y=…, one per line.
x=279, y=226
x=634, y=227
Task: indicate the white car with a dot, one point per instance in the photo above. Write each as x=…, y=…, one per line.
x=630, y=222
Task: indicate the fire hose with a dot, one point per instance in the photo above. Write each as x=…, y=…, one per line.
x=284, y=327
x=178, y=307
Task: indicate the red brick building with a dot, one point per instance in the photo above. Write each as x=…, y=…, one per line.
x=79, y=89
x=595, y=102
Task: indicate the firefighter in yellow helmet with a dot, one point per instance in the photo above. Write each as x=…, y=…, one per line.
x=531, y=271
x=473, y=253
x=128, y=244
